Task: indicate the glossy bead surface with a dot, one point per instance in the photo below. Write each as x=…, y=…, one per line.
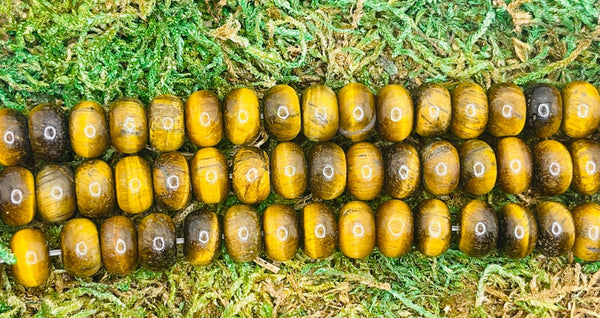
x=242, y=116
x=171, y=178
x=133, y=184
x=441, y=167
x=166, y=126
x=402, y=170
x=118, y=244
x=320, y=230
x=586, y=218
x=556, y=230
x=478, y=168
x=469, y=110
x=15, y=148
x=518, y=231
x=515, y=165
x=365, y=171
x=128, y=125
x=586, y=166
x=327, y=171
x=478, y=229
x=88, y=129
x=288, y=170
x=250, y=177
x=320, y=114
x=210, y=179
x=203, y=119
x=281, y=232
x=95, y=188
x=581, y=109
x=507, y=110
x=157, y=242
x=242, y=233
x=282, y=112
x=544, y=109
x=55, y=193
x=553, y=167
x=17, y=196
x=30, y=248
x=356, y=229
x=432, y=227
x=395, y=114
x=433, y=110
x=80, y=247
x=202, y=237
x=357, y=111
x=49, y=133
x=394, y=228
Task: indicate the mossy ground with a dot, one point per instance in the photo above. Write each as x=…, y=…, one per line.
x=66, y=51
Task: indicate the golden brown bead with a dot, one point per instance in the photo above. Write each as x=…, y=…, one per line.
x=88, y=129
x=203, y=120
x=477, y=167
x=210, y=179
x=95, y=188
x=357, y=111
x=250, y=178
x=288, y=170
x=394, y=228
x=327, y=171
x=395, y=113
x=586, y=218
x=282, y=112
x=171, y=178
x=320, y=114
x=202, y=237
x=133, y=184
x=469, y=110
x=553, y=167
x=242, y=233
x=586, y=166
x=478, y=229
x=14, y=145
x=518, y=230
x=556, y=230
x=433, y=108
x=320, y=230
x=402, y=170
x=365, y=171
x=166, y=126
x=356, y=229
x=581, y=109
x=80, y=248
x=128, y=125
x=281, y=232
x=30, y=248
x=55, y=193
x=508, y=110
x=118, y=244
x=157, y=242
x=544, y=109
x=17, y=196
x=242, y=117
x=49, y=133
x=432, y=227
x=515, y=165
x=441, y=167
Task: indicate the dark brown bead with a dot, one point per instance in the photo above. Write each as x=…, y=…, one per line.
x=118, y=242
x=49, y=133
x=242, y=233
x=556, y=229
x=544, y=109
x=478, y=229
x=157, y=242
x=202, y=237
x=55, y=193
x=327, y=171
x=171, y=178
x=80, y=247
x=518, y=230
x=402, y=170
x=553, y=167
x=17, y=196
x=14, y=133
x=95, y=188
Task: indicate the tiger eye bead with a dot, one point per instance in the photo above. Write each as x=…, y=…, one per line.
x=242, y=116
x=394, y=228
x=281, y=232
x=518, y=230
x=553, y=167
x=171, y=178
x=118, y=244
x=55, y=193
x=581, y=109
x=202, y=237
x=14, y=133
x=128, y=125
x=17, y=196
x=433, y=108
x=515, y=165
x=320, y=230
x=210, y=179
x=432, y=227
x=356, y=229
x=250, y=178
x=157, y=242
x=320, y=114
x=88, y=129
x=357, y=111
x=469, y=110
x=288, y=170
x=30, y=248
x=203, y=120
x=402, y=170
x=49, y=133
x=166, y=126
x=441, y=168
x=586, y=166
x=80, y=247
x=95, y=188
x=365, y=171
x=556, y=229
x=327, y=171
x=242, y=233
x=508, y=110
x=478, y=229
x=477, y=167
x=586, y=218
x=395, y=113
x=282, y=112
x=133, y=183
x=544, y=109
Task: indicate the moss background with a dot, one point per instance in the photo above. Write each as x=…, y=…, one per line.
x=68, y=50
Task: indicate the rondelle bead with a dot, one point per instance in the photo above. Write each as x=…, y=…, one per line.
x=242, y=233
x=394, y=228
x=202, y=237
x=288, y=170
x=556, y=230
x=478, y=229
x=282, y=112
x=55, y=193
x=80, y=247
x=242, y=117
x=157, y=243
x=171, y=178
x=49, y=133
x=586, y=166
x=581, y=109
x=518, y=230
x=508, y=110
x=30, y=248
x=432, y=227
x=365, y=171
x=327, y=171
x=281, y=232
x=441, y=167
x=477, y=167
x=133, y=184
x=166, y=126
x=95, y=188
x=320, y=115
x=119, y=245
x=356, y=229
x=515, y=165
x=128, y=125
x=320, y=230
x=250, y=178
x=544, y=109
x=357, y=111
x=395, y=113
x=203, y=120
x=14, y=143
x=433, y=108
x=553, y=167
x=17, y=196
x=469, y=110
x=402, y=170
x=210, y=179
x=88, y=129
x=586, y=218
